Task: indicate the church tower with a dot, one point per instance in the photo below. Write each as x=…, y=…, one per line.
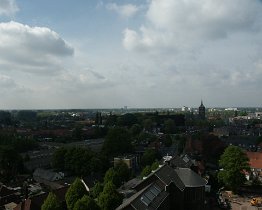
x=202, y=111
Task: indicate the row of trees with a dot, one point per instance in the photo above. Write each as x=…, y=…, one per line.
x=20, y=144
x=148, y=122
x=103, y=196
x=11, y=163
x=79, y=161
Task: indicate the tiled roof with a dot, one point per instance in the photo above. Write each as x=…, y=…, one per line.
x=255, y=159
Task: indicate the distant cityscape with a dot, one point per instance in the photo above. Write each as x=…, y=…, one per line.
x=148, y=158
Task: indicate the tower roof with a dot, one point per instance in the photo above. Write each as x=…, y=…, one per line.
x=202, y=105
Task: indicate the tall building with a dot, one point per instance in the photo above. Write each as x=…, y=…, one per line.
x=202, y=111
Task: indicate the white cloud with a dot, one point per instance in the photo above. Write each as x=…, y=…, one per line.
x=84, y=79
x=7, y=82
x=31, y=49
x=201, y=49
x=8, y=7
x=180, y=24
x=126, y=10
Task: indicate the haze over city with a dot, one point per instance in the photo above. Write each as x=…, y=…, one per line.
x=146, y=53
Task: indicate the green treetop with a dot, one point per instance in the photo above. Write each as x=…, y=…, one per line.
x=86, y=203
x=109, y=199
x=233, y=162
x=51, y=203
x=75, y=192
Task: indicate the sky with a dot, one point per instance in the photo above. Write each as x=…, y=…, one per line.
x=67, y=54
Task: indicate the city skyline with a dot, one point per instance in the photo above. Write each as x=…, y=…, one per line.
x=147, y=53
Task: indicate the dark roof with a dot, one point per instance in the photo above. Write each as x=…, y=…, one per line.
x=128, y=201
x=149, y=198
x=4, y=191
x=168, y=175
x=37, y=201
x=190, y=178
x=181, y=162
x=46, y=174
x=7, y=195
x=154, y=193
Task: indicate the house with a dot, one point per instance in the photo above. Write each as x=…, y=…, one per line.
x=35, y=202
x=187, y=162
x=48, y=178
x=167, y=188
x=130, y=160
x=48, y=175
x=8, y=195
x=255, y=162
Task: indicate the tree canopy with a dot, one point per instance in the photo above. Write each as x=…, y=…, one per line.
x=169, y=126
x=97, y=189
x=149, y=157
x=75, y=192
x=109, y=199
x=146, y=171
x=79, y=161
x=51, y=203
x=11, y=163
x=117, y=141
x=86, y=203
x=233, y=162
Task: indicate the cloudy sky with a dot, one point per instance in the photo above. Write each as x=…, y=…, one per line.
x=135, y=53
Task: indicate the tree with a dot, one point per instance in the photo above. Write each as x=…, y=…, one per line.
x=148, y=124
x=58, y=158
x=51, y=203
x=181, y=144
x=5, y=118
x=149, y=157
x=109, y=199
x=258, y=140
x=97, y=189
x=127, y=120
x=86, y=203
x=146, y=171
x=167, y=140
x=112, y=176
x=233, y=162
x=27, y=115
x=135, y=130
x=117, y=141
x=154, y=165
x=169, y=126
x=11, y=163
x=75, y=192
x=122, y=171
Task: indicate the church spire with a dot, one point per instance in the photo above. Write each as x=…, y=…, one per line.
x=202, y=111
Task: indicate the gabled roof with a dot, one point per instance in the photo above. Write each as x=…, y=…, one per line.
x=181, y=162
x=46, y=174
x=168, y=175
x=190, y=178
x=154, y=193
x=149, y=197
